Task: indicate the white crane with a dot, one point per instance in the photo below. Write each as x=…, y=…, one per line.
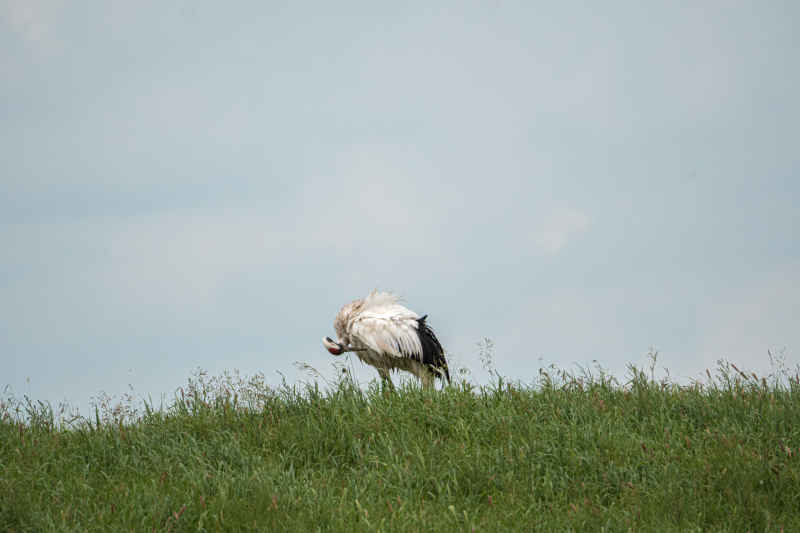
x=388, y=336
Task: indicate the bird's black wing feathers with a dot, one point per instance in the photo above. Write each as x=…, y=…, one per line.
x=432, y=351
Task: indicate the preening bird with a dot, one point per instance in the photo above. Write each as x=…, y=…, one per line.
x=389, y=336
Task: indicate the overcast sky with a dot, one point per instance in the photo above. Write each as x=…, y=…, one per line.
x=193, y=184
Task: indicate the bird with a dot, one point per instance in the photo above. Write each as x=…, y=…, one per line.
x=388, y=336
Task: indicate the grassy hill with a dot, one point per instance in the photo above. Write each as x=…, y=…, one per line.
x=569, y=453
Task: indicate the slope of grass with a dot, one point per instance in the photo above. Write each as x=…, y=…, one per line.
x=567, y=454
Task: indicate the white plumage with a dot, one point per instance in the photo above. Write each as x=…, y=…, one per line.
x=385, y=334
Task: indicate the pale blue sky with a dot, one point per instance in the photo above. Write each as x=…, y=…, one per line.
x=197, y=185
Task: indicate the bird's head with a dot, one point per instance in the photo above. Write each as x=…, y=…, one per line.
x=341, y=325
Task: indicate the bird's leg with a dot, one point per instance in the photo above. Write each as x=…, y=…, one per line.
x=427, y=380
x=385, y=379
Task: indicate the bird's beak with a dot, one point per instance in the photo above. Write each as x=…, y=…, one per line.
x=332, y=346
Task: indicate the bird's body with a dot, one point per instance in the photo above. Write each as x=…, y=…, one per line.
x=388, y=336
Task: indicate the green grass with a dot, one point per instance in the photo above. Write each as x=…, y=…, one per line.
x=568, y=453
